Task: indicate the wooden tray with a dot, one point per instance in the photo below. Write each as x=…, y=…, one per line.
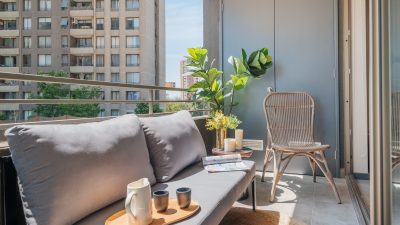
x=243, y=153
x=172, y=215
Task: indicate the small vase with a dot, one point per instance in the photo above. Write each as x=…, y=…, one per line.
x=220, y=137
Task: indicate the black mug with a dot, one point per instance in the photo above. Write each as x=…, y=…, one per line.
x=161, y=199
x=184, y=197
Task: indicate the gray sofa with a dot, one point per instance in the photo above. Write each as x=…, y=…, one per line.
x=77, y=174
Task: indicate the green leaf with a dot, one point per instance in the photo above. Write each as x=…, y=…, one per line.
x=201, y=74
x=255, y=63
x=215, y=86
x=239, y=81
x=238, y=66
x=197, y=85
x=213, y=74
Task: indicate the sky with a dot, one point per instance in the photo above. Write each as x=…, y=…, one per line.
x=184, y=29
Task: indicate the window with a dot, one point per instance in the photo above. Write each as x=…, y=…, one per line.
x=26, y=60
x=114, y=112
x=114, y=23
x=45, y=23
x=27, y=95
x=64, y=60
x=64, y=23
x=100, y=24
x=64, y=41
x=132, y=95
x=84, y=42
x=10, y=95
x=100, y=77
x=27, y=114
x=99, y=42
x=27, y=42
x=114, y=95
x=87, y=76
x=115, y=5
x=133, y=78
x=9, y=61
x=132, y=4
x=44, y=42
x=102, y=113
x=27, y=23
x=100, y=60
x=100, y=5
x=64, y=4
x=132, y=23
x=44, y=60
x=44, y=5
x=115, y=77
x=27, y=5
x=114, y=42
x=132, y=60
x=133, y=42
x=114, y=59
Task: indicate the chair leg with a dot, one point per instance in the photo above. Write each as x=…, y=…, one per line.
x=312, y=164
x=326, y=171
x=266, y=160
x=277, y=164
x=280, y=164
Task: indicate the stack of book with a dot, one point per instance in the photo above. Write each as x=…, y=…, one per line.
x=224, y=163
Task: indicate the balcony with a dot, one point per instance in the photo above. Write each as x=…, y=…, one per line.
x=81, y=9
x=81, y=28
x=8, y=14
x=8, y=28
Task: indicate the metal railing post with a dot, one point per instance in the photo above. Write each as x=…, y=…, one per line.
x=151, y=99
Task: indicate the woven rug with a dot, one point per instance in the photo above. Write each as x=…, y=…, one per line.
x=245, y=216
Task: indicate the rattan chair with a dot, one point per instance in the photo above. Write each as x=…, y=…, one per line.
x=290, y=121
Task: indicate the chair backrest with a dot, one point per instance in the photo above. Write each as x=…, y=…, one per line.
x=396, y=123
x=290, y=118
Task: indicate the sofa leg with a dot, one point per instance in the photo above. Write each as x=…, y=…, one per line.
x=253, y=193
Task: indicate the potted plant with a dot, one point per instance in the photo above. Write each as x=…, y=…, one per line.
x=218, y=94
x=220, y=123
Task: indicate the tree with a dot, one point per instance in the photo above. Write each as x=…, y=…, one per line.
x=62, y=91
x=143, y=108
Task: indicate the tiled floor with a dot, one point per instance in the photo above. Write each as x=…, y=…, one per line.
x=300, y=198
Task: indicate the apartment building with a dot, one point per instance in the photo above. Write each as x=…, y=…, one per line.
x=187, y=79
x=104, y=40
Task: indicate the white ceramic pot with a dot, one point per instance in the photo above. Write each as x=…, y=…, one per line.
x=138, y=202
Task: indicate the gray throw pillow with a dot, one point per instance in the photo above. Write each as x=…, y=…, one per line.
x=67, y=172
x=174, y=143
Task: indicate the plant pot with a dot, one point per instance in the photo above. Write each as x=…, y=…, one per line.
x=220, y=136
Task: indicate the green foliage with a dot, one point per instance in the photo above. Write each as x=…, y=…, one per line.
x=143, y=108
x=61, y=91
x=258, y=62
x=211, y=89
x=178, y=106
x=3, y=116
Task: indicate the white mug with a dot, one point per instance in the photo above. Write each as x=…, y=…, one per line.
x=138, y=202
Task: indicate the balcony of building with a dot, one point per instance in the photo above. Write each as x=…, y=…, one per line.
x=81, y=46
x=8, y=10
x=79, y=8
x=81, y=27
x=81, y=64
x=8, y=27
x=9, y=46
x=8, y=63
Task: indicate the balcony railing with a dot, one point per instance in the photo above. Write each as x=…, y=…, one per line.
x=152, y=92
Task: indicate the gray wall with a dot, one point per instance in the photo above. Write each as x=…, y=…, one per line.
x=302, y=38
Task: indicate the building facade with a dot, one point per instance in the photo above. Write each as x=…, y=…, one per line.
x=104, y=40
x=187, y=79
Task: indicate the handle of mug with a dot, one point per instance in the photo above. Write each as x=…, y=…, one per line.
x=131, y=197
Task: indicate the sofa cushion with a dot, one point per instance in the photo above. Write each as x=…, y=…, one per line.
x=216, y=193
x=67, y=172
x=174, y=143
